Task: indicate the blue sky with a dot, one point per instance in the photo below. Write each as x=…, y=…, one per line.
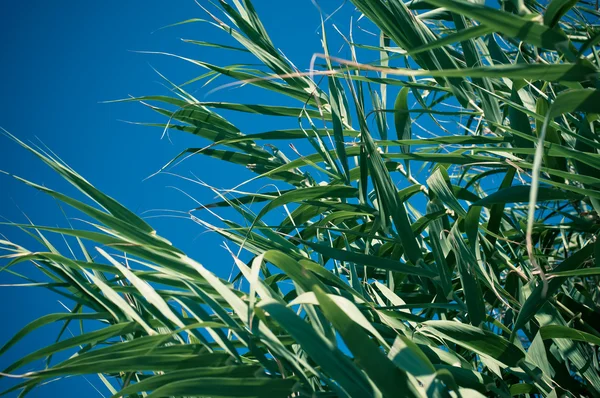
x=60, y=60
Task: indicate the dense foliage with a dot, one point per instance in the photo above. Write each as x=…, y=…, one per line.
x=439, y=244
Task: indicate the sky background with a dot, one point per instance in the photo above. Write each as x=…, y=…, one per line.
x=60, y=60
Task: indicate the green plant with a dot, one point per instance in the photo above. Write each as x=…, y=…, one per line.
x=452, y=285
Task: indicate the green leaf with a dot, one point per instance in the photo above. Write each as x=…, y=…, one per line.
x=367, y=260
x=467, y=264
x=563, y=332
x=388, y=378
x=539, y=295
x=482, y=342
x=520, y=193
x=506, y=23
x=556, y=9
x=402, y=120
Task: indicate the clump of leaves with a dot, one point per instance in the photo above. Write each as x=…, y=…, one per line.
x=446, y=246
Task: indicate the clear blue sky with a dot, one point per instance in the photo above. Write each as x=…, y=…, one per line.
x=60, y=59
